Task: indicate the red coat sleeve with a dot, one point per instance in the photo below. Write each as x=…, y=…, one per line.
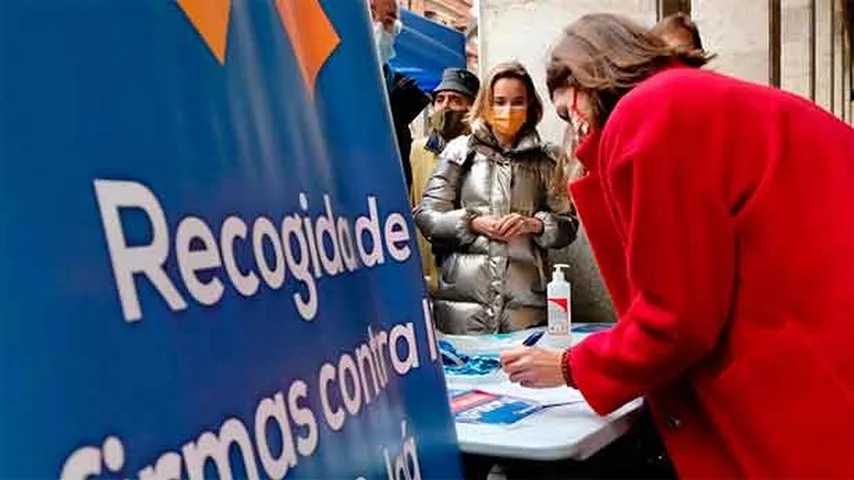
x=666, y=201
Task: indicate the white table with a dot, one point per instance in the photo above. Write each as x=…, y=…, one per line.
x=571, y=431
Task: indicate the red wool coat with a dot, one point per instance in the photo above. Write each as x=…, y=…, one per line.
x=721, y=214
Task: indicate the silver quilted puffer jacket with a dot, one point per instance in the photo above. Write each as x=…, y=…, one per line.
x=488, y=286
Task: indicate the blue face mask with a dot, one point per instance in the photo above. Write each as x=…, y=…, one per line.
x=385, y=40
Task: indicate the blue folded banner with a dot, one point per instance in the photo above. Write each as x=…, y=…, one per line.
x=208, y=261
x=426, y=48
x=458, y=363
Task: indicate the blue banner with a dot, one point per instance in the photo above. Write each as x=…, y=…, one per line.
x=424, y=49
x=207, y=263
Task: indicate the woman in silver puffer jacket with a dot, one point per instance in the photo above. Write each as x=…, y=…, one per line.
x=492, y=208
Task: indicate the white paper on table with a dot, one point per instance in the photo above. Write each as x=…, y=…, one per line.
x=544, y=396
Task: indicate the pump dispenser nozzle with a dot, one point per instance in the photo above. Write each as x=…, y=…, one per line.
x=557, y=274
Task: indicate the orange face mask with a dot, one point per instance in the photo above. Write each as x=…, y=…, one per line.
x=507, y=121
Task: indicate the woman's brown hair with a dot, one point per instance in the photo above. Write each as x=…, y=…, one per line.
x=676, y=24
x=483, y=101
x=607, y=55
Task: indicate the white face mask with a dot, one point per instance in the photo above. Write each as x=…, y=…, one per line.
x=577, y=120
x=384, y=40
x=579, y=126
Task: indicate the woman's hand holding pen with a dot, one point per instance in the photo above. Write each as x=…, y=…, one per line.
x=533, y=367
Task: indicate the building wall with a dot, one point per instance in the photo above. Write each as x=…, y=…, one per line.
x=815, y=59
x=524, y=30
x=453, y=13
x=796, y=46
x=739, y=31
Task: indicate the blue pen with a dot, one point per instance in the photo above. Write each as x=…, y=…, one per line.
x=533, y=338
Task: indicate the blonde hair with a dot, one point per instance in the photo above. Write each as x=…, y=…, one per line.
x=483, y=102
x=477, y=116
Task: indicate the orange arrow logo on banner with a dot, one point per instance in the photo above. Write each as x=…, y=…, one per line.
x=312, y=36
x=210, y=18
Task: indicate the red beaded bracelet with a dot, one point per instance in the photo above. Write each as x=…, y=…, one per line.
x=565, y=368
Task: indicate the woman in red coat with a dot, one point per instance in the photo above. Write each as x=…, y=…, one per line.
x=721, y=214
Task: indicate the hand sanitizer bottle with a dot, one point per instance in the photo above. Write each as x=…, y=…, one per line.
x=559, y=302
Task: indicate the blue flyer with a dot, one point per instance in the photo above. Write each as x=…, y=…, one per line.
x=476, y=406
